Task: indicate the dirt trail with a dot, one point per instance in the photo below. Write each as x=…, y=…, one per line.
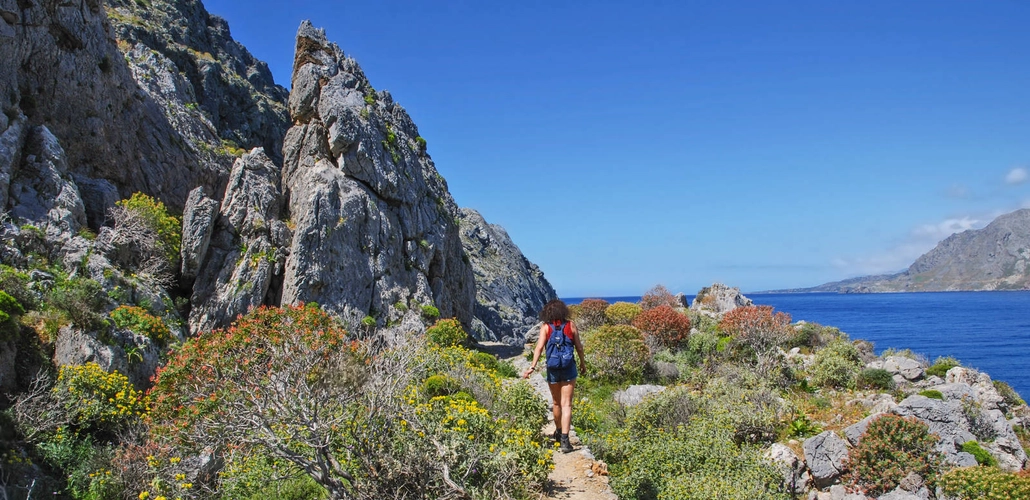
x=576, y=475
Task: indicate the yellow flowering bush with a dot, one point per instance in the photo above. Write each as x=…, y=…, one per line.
x=97, y=400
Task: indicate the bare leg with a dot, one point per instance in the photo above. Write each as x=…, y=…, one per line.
x=566, y=406
x=556, y=395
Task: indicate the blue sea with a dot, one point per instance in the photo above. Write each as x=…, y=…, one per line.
x=989, y=331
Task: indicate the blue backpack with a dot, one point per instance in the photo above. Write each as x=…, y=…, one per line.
x=559, y=348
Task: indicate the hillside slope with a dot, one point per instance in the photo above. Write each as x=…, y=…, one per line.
x=996, y=257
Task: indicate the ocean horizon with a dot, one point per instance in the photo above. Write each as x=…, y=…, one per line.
x=988, y=331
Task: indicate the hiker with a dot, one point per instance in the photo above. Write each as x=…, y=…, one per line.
x=559, y=335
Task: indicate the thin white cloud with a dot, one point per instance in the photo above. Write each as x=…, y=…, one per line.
x=1017, y=175
x=920, y=240
x=958, y=192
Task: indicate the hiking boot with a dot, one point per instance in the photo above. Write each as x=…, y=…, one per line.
x=557, y=436
x=566, y=446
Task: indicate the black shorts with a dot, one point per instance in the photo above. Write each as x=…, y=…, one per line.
x=556, y=375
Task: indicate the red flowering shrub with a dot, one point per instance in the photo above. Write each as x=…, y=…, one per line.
x=279, y=379
x=590, y=314
x=892, y=448
x=658, y=296
x=663, y=326
x=756, y=327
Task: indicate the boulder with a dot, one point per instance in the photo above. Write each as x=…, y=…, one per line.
x=719, y=299
x=510, y=290
x=825, y=455
x=635, y=394
x=910, y=369
x=981, y=383
x=376, y=231
x=75, y=347
x=796, y=477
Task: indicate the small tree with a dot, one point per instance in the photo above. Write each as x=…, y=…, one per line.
x=279, y=380
x=658, y=296
x=756, y=327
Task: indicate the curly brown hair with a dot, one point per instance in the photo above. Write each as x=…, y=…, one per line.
x=555, y=310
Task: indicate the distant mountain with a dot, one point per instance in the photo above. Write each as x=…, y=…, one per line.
x=996, y=257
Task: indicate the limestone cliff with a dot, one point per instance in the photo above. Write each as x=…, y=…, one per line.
x=375, y=229
x=510, y=290
x=151, y=97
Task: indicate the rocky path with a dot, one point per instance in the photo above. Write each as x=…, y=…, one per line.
x=576, y=475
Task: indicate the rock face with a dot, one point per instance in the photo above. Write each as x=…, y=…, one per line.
x=719, y=299
x=376, y=230
x=996, y=257
x=510, y=290
x=119, y=86
x=248, y=244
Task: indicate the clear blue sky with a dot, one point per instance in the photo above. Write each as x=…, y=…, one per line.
x=760, y=144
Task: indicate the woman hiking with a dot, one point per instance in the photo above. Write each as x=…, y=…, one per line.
x=559, y=335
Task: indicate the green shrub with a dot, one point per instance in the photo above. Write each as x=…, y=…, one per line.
x=802, y=427
x=891, y=448
x=446, y=333
x=701, y=346
x=836, y=365
x=485, y=360
x=812, y=335
x=875, y=378
x=523, y=406
x=983, y=457
x=153, y=213
x=247, y=476
x=81, y=299
x=440, y=385
x=932, y=394
x=1008, y=394
x=622, y=313
x=969, y=483
x=663, y=326
x=941, y=366
x=506, y=369
x=430, y=312
x=16, y=284
x=615, y=352
x=696, y=461
x=82, y=461
x=140, y=321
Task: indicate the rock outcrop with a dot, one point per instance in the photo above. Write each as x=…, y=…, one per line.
x=510, y=290
x=248, y=244
x=719, y=299
x=120, y=94
x=375, y=229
